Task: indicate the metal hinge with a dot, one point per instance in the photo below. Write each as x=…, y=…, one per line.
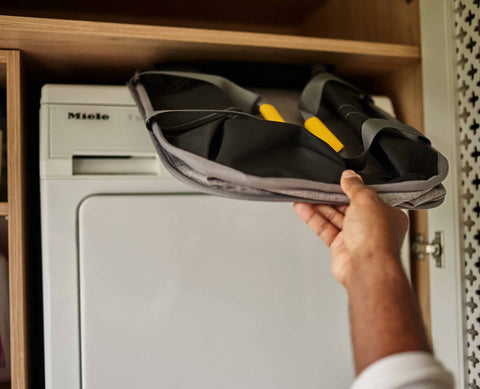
x=420, y=248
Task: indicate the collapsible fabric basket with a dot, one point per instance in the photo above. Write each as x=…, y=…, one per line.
x=207, y=134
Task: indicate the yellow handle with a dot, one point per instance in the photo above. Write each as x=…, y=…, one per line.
x=314, y=125
x=269, y=112
x=320, y=130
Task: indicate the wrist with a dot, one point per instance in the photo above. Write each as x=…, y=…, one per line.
x=370, y=267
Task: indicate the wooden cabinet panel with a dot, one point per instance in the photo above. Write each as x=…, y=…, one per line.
x=15, y=210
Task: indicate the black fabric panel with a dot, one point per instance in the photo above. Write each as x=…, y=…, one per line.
x=199, y=140
x=405, y=157
x=271, y=149
x=262, y=148
x=172, y=92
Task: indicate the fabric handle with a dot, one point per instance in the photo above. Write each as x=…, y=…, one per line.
x=371, y=128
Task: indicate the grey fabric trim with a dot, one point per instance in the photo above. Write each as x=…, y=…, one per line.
x=371, y=128
x=244, y=99
x=311, y=97
x=141, y=95
x=407, y=200
x=306, y=115
x=213, y=112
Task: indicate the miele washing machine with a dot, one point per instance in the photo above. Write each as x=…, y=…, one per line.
x=147, y=284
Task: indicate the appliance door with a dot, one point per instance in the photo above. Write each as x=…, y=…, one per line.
x=194, y=291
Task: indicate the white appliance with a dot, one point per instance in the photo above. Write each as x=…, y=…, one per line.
x=149, y=285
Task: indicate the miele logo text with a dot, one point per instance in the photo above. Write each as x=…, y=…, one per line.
x=88, y=116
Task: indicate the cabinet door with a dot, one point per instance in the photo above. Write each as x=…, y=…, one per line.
x=182, y=291
x=446, y=290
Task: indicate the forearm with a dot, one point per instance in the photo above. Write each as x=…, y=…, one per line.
x=384, y=315
x=385, y=319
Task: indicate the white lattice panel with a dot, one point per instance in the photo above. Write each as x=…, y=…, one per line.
x=467, y=42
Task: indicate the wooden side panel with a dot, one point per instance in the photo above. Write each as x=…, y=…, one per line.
x=3, y=205
x=16, y=220
x=395, y=21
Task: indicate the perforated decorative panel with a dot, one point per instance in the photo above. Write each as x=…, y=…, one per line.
x=467, y=42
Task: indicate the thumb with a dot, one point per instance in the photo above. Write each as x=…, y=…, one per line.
x=351, y=183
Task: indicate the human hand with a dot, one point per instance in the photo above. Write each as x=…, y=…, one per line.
x=359, y=232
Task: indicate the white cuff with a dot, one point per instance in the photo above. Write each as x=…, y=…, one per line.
x=408, y=370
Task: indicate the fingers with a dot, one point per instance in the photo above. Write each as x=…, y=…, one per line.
x=318, y=223
x=338, y=243
x=332, y=214
x=351, y=183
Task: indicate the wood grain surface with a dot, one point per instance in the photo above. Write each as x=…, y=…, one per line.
x=54, y=43
x=15, y=209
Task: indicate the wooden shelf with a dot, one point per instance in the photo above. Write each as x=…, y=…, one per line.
x=62, y=45
x=394, y=21
x=3, y=209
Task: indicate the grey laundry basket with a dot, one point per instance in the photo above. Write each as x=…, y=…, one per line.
x=205, y=134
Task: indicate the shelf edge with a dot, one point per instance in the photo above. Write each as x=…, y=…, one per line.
x=196, y=35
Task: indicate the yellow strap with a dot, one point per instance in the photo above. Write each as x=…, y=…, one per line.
x=320, y=130
x=269, y=112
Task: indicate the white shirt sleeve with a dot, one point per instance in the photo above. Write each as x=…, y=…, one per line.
x=408, y=370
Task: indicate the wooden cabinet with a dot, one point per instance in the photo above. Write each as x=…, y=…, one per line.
x=374, y=43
